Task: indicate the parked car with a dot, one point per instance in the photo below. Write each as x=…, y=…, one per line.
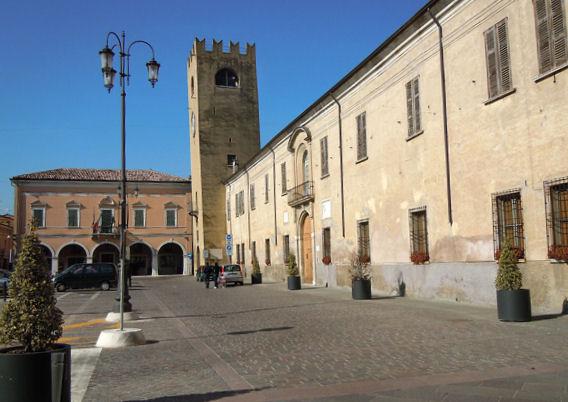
x=231, y=274
x=4, y=280
x=98, y=275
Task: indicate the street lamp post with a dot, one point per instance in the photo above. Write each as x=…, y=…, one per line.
x=122, y=303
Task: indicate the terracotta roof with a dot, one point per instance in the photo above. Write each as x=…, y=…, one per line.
x=74, y=174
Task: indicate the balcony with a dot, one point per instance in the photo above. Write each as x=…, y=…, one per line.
x=301, y=194
x=104, y=231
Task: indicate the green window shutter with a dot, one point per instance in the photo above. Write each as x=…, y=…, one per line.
x=409, y=108
x=491, y=55
x=543, y=35
x=416, y=98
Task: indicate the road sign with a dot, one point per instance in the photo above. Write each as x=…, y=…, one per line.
x=229, y=238
x=229, y=249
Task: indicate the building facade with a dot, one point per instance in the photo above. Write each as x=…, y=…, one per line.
x=6, y=243
x=76, y=212
x=444, y=143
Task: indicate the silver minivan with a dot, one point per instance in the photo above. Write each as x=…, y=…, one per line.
x=231, y=274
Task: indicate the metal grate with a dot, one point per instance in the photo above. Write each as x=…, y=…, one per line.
x=556, y=202
x=508, y=222
x=418, y=231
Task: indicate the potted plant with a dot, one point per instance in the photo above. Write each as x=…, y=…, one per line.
x=256, y=275
x=360, y=277
x=326, y=260
x=513, y=303
x=32, y=366
x=294, y=280
x=559, y=253
x=418, y=257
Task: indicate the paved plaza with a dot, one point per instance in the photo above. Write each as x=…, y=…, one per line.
x=261, y=343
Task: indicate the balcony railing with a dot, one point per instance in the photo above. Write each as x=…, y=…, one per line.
x=301, y=194
x=105, y=231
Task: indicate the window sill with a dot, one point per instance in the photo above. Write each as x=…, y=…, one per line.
x=550, y=73
x=361, y=160
x=73, y=227
x=324, y=176
x=500, y=96
x=413, y=136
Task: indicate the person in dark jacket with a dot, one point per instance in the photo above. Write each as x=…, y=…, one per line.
x=216, y=272
x=207, y=272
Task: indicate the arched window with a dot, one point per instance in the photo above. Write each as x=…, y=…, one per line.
x=226, y=78
x=306, y=167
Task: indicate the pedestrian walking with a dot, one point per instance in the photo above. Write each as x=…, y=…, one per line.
x=216, y=271
x=207, y=272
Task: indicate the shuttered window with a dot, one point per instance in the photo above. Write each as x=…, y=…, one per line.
x=326, y=242
x=283, y=171
x=266, y=188
x=499, y=80
x=550, y=17
x=254, y=257
x=413, y=107
x=139, y=218
x=364, y=245
x=324, y=157
x=361, y=136
x=252, y=197
x=237, y=205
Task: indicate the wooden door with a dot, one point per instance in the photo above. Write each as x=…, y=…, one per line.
x=308, y=276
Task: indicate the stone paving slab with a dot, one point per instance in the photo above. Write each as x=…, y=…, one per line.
x=266, y=343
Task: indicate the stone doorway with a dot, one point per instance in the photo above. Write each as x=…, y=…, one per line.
x=307, y=252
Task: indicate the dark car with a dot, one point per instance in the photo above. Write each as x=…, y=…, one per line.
x=98, y=275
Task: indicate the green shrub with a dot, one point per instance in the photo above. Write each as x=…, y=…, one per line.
x=359, y=267
x=255, y=266
x=30, y=318
x=509, y=276
x=292, y=266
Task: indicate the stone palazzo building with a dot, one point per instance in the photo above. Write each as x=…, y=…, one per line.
x=446, y=141
x=77, y=211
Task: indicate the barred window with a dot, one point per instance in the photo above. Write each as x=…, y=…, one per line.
x=508, y=222
x=254, y=257
x=558, y=214
x=418, y=234
x=284, y=184
x=324, y=157
x=362, y=136
x=266, y=188
x=413, y=107
x=550, y=19
x=252, y=197
x=326, y=239
x=286, y=246
x=498, y=58
x=363, y=241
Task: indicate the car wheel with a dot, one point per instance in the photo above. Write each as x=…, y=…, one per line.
x=61, y=287
x=105, y=286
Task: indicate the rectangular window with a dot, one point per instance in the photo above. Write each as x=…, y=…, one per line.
x=254, y=257
x=361, y=136
x=550, y=18
x=139, y=218
x=284, y=184
x=267, y=251
x=413, y=107
x=559, y=206
x=418, y=235
x=324, y=157
x=499, y=79
x=242, y=202
x=252, y=197
x=238, y=253
x=73, y=217
x=326, y=240
x=237, y=204
x=243, y=253
x=171, y=217
x=508, y=222
x=38, y=216
x=286, y=246
x=231, y=160
x=107, y=220
x=266, y=189
x=363, y=241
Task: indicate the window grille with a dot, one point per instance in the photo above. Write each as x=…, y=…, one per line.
x=362, y=136
x=550, y=19
x=498, y=58
x=324, y=157
x=556, y=200
x=413, y=107
x=418, y=234
x=508, y=222
x=363, y=241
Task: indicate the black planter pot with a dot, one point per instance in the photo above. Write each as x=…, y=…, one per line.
x=514, y=305
x=256, y=279
x=361, y=289
x=40, y=376
x=294, y=283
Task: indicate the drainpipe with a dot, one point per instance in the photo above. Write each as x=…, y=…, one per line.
x=274, y=194
x=247, y=192
x=340, y=164
x=445, y=115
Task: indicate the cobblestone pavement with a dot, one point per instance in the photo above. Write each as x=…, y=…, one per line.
x=257, y=343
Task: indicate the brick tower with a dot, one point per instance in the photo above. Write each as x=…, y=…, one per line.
x=224, y=131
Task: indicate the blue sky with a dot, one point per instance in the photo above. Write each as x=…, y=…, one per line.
x=55, y=112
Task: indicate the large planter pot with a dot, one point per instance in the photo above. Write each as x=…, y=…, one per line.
x=40, y=376
x=294, y=283
x=514, y=305
x=256, y=279
x=361, y=289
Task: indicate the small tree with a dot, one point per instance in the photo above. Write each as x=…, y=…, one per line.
x=255, y=266
x=292, y=266
x=509, y=276
x=30, y=317
x=359, y=267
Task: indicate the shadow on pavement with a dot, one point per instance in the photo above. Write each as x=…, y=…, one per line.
x=546, y=317
x=259, y=330
x=198, y=397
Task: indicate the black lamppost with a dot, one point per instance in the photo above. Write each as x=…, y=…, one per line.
x=122, y=303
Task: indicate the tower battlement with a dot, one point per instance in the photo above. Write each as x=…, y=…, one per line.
x=215, y=47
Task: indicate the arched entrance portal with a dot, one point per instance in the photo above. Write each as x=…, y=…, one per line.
x=141, y=259
x=106, y=253
x=71, y=254
x=170, y=260
x=46, y=257
x=307, y=256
